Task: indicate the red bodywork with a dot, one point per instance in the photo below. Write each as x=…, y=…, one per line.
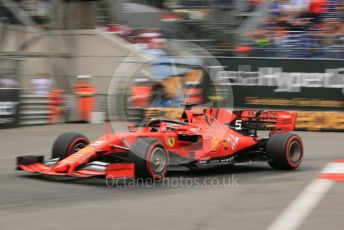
x=195, y=137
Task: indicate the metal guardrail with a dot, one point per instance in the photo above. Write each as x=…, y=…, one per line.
x=33, y=110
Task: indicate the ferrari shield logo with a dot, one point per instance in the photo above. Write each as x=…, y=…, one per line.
x=171, y=141
x=225, y=144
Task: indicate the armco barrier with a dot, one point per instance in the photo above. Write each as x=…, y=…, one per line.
x=34, y=110
x=56, y=107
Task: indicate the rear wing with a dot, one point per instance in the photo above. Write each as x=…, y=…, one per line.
x=277, y=121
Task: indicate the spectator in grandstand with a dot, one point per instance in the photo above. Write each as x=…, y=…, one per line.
x=281, y=7
x=300, y=6
x=334, y=35
x=317, y=9
x=252, y=4
x=339, y=10
x=340, y=38
x=262, y=43
x=340, y=41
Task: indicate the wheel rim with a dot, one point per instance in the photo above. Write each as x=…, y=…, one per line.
x=158, y=160
x=78, y=146
x=295, y=152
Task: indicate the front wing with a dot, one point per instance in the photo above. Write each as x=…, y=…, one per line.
x=36, y=164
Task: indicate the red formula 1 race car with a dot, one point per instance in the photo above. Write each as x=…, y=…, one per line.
x=199, y=139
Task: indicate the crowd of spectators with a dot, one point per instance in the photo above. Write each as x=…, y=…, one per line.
x=301, y=28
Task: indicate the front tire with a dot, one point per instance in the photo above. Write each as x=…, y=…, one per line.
x=285, y=151
x=150, y=158
x=67, y=144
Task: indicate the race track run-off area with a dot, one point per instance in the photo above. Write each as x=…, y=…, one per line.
x=250, y=196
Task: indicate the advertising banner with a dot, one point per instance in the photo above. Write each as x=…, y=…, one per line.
x=296, y=84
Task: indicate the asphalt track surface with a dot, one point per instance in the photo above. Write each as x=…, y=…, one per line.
x=241, y=197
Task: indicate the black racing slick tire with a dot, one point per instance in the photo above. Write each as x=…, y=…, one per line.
x=284, y=151
x=150, y=158
x=67, y=144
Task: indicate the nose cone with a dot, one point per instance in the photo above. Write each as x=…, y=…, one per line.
x=61, y=168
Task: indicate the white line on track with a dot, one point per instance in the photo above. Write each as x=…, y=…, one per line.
x=295, y=214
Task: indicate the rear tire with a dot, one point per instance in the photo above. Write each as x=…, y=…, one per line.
x=150, y=158
x=285, y=151
x=67, y=144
